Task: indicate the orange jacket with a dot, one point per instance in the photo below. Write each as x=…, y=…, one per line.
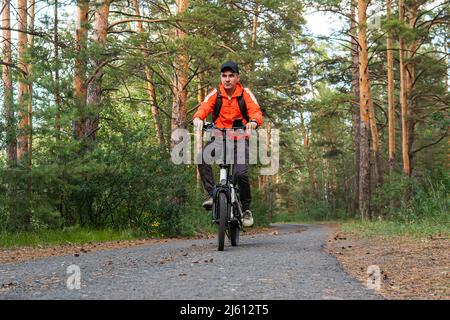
x=230, y=107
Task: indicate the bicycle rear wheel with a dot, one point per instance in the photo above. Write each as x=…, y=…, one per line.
x=223, y=210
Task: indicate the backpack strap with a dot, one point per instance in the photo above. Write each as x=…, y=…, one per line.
x=241, y=103
x=217, y=106
x=243, y=106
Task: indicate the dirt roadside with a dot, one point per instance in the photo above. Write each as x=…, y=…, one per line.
x=408, y=268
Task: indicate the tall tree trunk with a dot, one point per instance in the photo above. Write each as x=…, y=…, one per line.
x=8, y=101
x=447, y=58
x=356, y=93
x=255, y=24
x=56, y=92
x=306, y=139
x=30, y=39
x=23, y=151
x=251, y=66
x=94, y=90
x=277, y=199
x=308, y=160
x=154, y=105
x=410, y=78
x=200, y=87
x=373, y=128
x=403, y=101
x=266, y=180
x=391, y=101
x=199, y=133
x=79, y=79
x=179, y=111
x=323, y=183
x=326, y=165
x=150, y=86
x=57, y=96
x=365, y=101
x=23, y=93
x=334, y=183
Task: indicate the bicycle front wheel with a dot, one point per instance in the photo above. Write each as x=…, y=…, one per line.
x=234, y=234
x=223, y=210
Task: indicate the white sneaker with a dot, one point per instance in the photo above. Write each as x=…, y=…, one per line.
x=208, y=203
x=247, y=219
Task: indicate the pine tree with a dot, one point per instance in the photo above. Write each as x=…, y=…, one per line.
x=365, y=106
x=8, y=101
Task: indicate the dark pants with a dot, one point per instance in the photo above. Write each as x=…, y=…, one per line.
x=240, y=171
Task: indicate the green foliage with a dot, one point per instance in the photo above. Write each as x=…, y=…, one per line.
x=124, y=180
x=70, y=235
x=418, y=230
x=261, y=211
x=417, y=199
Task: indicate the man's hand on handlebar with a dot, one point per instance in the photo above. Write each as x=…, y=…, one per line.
x=251, y=125
x=198, y=124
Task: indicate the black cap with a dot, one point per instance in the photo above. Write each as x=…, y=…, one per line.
x=230, y=65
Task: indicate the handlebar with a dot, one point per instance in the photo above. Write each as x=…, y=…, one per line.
x=210, y=126
x=234, y=132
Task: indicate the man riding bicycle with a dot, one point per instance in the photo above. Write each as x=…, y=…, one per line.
x=229, y=102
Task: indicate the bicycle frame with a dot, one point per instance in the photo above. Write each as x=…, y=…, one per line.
x=226, y=185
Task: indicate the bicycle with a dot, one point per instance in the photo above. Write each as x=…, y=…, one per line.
x=227, y=208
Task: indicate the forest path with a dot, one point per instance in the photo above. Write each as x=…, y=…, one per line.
x=288, y=263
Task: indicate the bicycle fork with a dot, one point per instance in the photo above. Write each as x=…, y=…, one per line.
x=227, y=187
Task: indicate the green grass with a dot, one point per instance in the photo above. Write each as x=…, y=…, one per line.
x=77, y=235
x=417, y=229
x=67, y=236
x=287, y=217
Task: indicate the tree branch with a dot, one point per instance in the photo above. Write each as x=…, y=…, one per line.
x=136, y=20
x=432, y=144
x=11, y=65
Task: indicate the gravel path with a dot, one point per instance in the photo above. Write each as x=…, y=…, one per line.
x=287, y=265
